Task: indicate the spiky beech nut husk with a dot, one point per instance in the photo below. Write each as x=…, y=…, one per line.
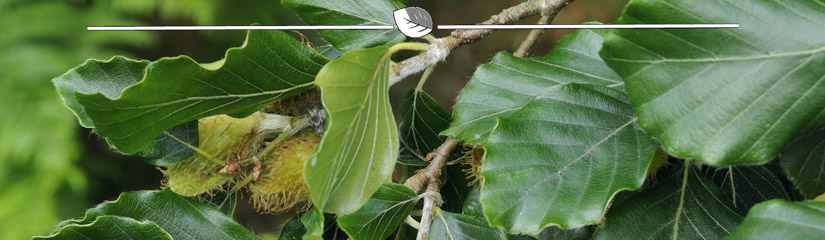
x=472, y=157
x=280, y=186
x=659, y=160
x=220, y=137
x=296, y=105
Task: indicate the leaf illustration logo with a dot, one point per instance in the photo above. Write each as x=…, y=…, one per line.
x=413, y=21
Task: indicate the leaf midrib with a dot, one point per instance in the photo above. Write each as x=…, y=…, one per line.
x=723, y=59
x=218, y=97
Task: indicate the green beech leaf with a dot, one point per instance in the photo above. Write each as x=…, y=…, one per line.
x=455, y=188
x=405, y=232
x=169, y=148
x=109, y=78
x=120, y=73
x=270, y=66
x=423, y=120
x=329, y=51
x=223, y=201
x=313, y=221
x=453, y=226
x=554, y=232
x=292, y=230
x=473, y=207
x=381, y=215
x=370, y=12
x=111, y=227
x=804, y=161
x=360, y=144
x=561, y=158
x=746, y=186
x=781, y=219
x=725, y=96
x=508, y=83
x=181, y=217
x=686, y=205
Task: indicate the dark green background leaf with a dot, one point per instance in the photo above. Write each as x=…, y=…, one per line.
x=360, y=144
x=453, y=226
x=369, y=12
x=166, y=150
x=292, y=230
x=181, y=217
x=780, y=219
x=313, y=221
x=423, y=121
x=686, y=205
x=746, y=186
x=383, y=213
x=329, y=51
x=561, y=158
x=508, y=83
x=804, y=161
x=270, y=66
x=725, y=96
x=111, y=227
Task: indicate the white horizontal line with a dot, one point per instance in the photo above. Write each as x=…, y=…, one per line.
x=590, y=26
x=390, y=27
x=184, y=28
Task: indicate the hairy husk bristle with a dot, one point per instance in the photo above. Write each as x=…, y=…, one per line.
x=221, y=138
x=281, y=185
x=472, y=157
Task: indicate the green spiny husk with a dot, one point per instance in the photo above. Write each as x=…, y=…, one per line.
x=221, y=138
x=281, y=186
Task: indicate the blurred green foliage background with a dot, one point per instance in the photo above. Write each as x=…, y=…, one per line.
x=52, y=169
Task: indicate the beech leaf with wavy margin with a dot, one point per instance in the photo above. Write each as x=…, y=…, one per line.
x=360, y=143
x=180, y=217
x=782, y=219
x=381, y=215
x=561, y=158
x=686, y=205
x=111, y=227
x=508, y=83
x=270, y=66
x=804, y=161
x=724, y=96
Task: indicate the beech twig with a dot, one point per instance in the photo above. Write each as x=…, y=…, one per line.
x=533, y=37
x=442, y=47
x=430, y=176
x=438, y=51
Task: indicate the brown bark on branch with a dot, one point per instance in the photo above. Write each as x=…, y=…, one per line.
x=443, y=46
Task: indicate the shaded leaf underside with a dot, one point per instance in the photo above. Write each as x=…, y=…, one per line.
x=360, y=143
